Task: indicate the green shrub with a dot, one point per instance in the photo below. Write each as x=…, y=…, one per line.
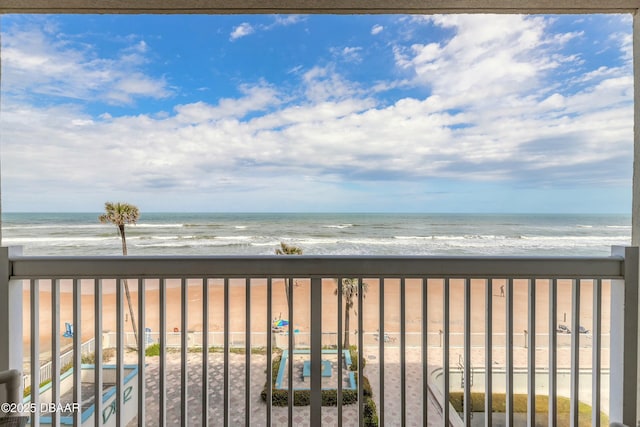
x=353, y=352
x=66, y=367
x=88, y=359
x=498, y=403
x=303, y=397
x=152, y=350
x=108, y=354
x=27, y=389
x=370, y=413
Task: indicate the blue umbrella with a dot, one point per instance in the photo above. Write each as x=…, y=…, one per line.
x=280, y=323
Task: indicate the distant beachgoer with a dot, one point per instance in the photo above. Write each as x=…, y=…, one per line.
x=502, y=291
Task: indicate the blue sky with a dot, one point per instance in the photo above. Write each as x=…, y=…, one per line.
x=454, y=113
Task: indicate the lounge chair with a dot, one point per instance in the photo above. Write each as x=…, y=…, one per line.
x=68, y=333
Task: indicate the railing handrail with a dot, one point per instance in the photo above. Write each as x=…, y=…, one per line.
x=56, y=267
x=590, y=272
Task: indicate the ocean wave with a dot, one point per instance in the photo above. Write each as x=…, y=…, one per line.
x=54, y=226
x=161, y=237
x=190, y=244
x=274, y=243
x=456, y=237
x=148, y=225
x=338, y=226
x=243, y=238
x=54, y=240
x=311, y=241
x=577, y=238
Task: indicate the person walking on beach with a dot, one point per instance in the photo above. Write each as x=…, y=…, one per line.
x=502, y=291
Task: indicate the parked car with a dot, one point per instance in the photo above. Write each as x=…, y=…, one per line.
x=564, y=329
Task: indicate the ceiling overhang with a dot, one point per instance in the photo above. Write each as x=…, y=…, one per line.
x=317, y=6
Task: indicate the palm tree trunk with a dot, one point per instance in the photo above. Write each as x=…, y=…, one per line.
x=346, y=326
x=286, y=292
x=133, y=319
x=126, y=290
x=124, y=239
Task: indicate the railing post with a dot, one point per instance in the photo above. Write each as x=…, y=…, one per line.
x=624, y=387
x=11, y=356
x=316, y=351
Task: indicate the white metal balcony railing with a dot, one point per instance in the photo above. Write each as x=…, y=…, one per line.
x=431, y=281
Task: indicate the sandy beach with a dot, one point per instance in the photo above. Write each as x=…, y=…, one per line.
x=301, y=314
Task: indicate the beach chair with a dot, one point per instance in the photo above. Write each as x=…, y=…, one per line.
x=68, y=333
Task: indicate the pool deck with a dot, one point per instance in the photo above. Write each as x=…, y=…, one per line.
x=258, y=406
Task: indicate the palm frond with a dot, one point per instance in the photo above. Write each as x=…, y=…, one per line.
x=285, y=249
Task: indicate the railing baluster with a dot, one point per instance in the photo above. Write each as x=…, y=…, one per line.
x=269, y=351
x=205, y=351
x=575, y=352
x=467, y=351
x=340, y=350
x=445, y=351
x=226, y=354
x=509, y=350
x=360, y=352
x=289, y=288
x=142, y=347
x=531, y=356
x=596, y=343
x=77, y=350
x=55, y=349
x=247, y=372
x=381, y=343
x=120, y=355
x=98, y=380
x=163, y=354
x=316, y=352
x=553, y=346
x=184, y=367
x=35, y=351
x=403, y=361
x=488, y=354
x=425, y=353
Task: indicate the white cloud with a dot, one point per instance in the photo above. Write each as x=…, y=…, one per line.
x=286, y=20
x=490, y=57
x=377, y=29
x=241, y=30
x=39, y=63
x=493, y=113
x=246, y=29
x=348, y=54
x=324, y=83
x=256, y=98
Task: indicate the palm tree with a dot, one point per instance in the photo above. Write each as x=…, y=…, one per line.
x=350, y=293
x=285, y=249
x=121, y=214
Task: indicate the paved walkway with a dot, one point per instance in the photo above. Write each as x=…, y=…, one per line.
x=258, y=406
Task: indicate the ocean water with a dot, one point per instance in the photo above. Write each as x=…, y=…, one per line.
x=320, y=234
